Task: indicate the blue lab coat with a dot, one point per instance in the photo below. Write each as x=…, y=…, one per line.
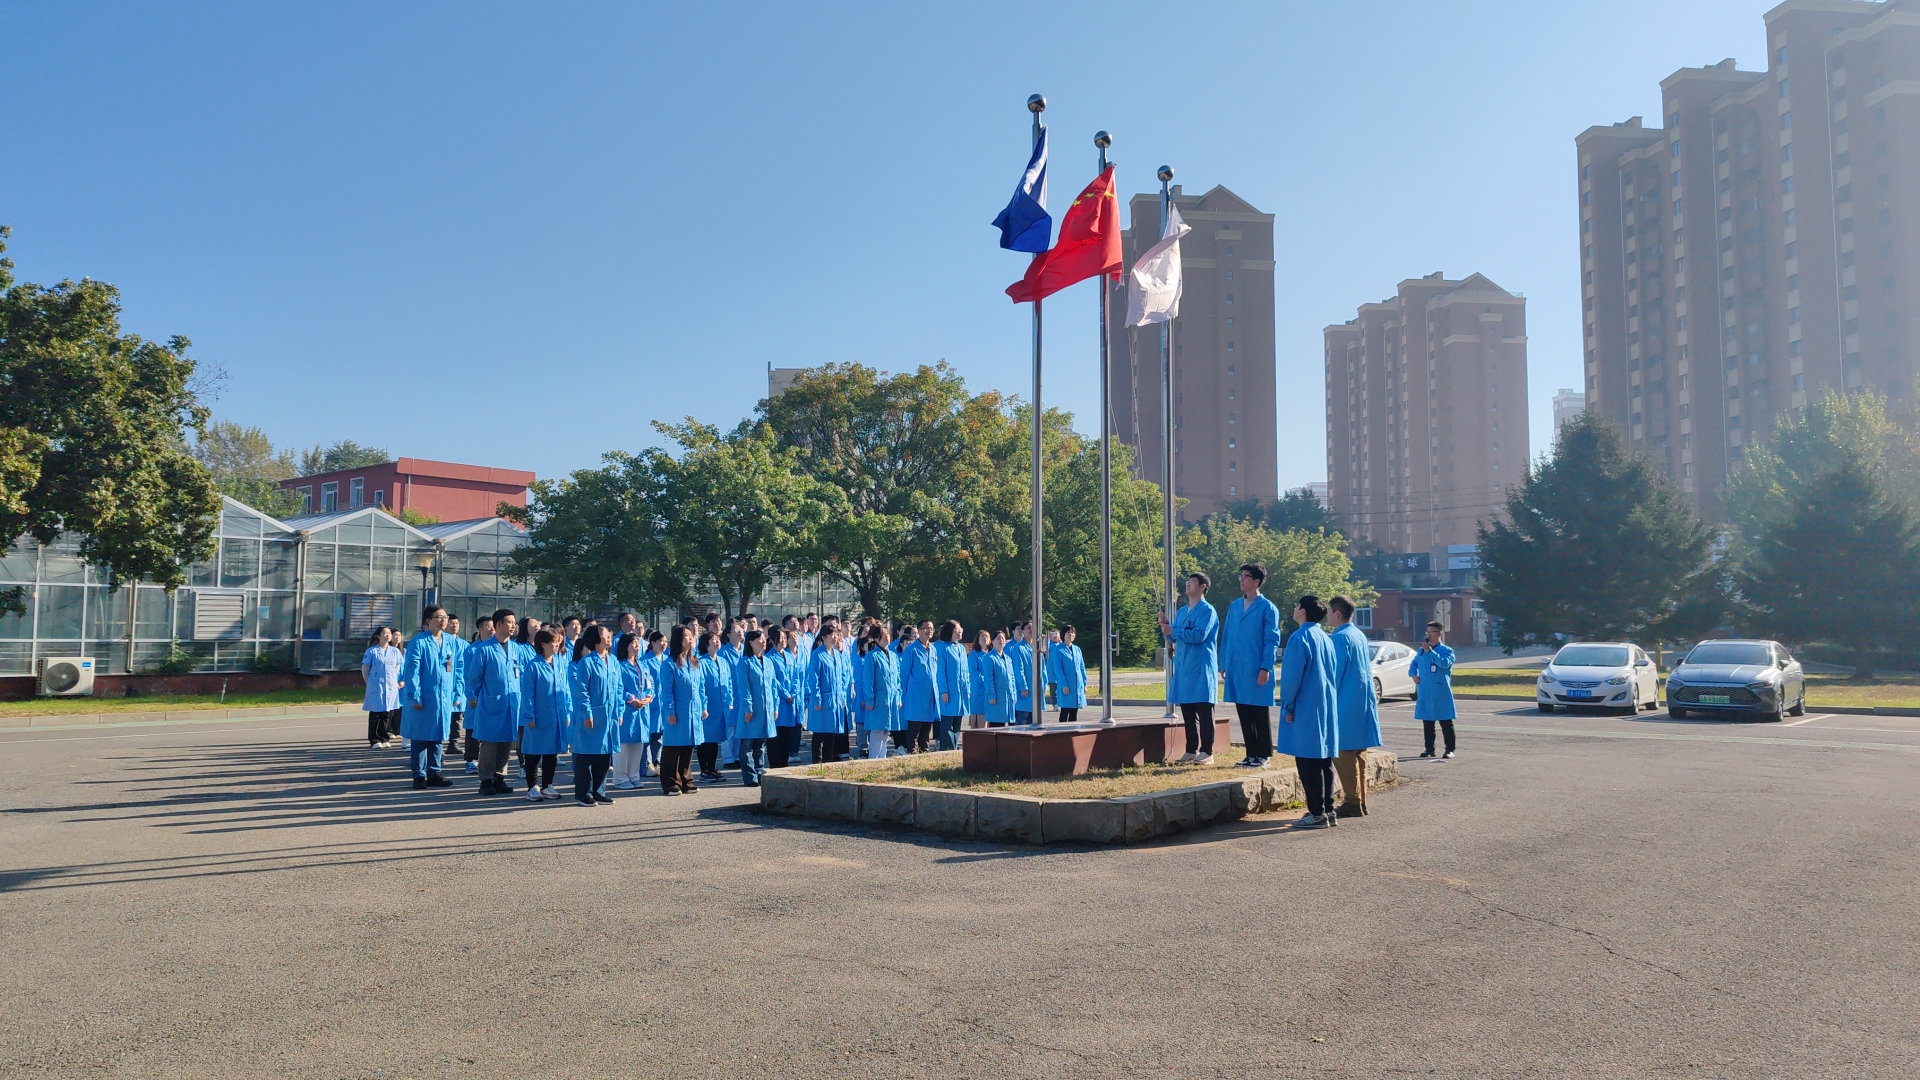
x=634, y=682
x=979, y=681
x=1000, y=688
x=460, y=646
x=653, y=663
x=493, y=691
x=1021, y=653
x=786, y=665
x=599, y=697
x=879, y=688
x=429, y=693
x=383, y=678
x=719, y=696
x=684, y=687
x=546, y=706
x=1309, y=724
x=1353, y=682
x=737, y=708
x=950, y=677
x=919, y=700
x=829, y=692
x=760, y=694
x=1196, y=655
x=1067, y=674
x=1434, y=669
x=1249, y=640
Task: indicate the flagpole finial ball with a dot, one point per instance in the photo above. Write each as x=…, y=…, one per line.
x=1166, y=173
x=1036, y=104
x=1102, y=140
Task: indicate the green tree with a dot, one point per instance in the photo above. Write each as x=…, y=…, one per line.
x=739, y=509
x=1839, y=562
x=245, y=466
x=1808, y=444
x=345, y=454
x=596, y=539
x=1298, y=562
x=1296, y=509
x=1597, y=544
x=94, y=427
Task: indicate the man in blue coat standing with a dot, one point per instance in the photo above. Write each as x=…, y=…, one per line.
x=1359, y=709
x=1433, y=667
x=1195, y=631
x=428, y=689
x=492, y=692
x=1249, y=640
x=1020, y=651
x=1309, y=727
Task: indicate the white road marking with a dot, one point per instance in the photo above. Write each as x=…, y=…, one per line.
x=1808, y=719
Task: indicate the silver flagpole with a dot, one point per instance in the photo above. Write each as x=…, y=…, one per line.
x=1171, y=594
x=1104, y=140
x=1037, y=105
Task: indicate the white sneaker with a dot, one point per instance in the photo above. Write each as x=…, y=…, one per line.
x=533, y=794
x=1187, y=759
x=1311, y=821
x=549, y=793
x=1203, y=759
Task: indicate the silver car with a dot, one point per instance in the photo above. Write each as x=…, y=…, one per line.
x=1390, y=662
x=1737, y=677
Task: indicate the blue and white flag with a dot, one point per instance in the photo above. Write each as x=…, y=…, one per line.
x=1025, y=224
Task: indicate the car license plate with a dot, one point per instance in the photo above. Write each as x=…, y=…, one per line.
x=1715, y=699
x=1579, y=693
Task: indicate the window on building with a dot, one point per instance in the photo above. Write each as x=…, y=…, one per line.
x=305, y=495
x=357, y=492
x=330, y=497
x=1229, y=275
x=1233, y=489
x=380, y=497
x=1363, y=618
x=1229, y=298
x=1230, y=418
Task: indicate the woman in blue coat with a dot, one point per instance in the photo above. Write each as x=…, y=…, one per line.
x=759, y=707
x=683, y=686
x=719, y=697
x=979, y=677
x=919, y=697
x=879, y=682
x=636, y=690
x=1194, y=631
x=783, y=650
x=1309, y=727
x=1020, y=651
x=1000, y=688
x=654, y=662
x=1432, y=666
x=427, y=696
x=950, y=678
x=546, y=711
x=1359, y=709
x=380, y=668
x=599, y=699
x=829, y=695
x=1249, y=641
x=1067, y=675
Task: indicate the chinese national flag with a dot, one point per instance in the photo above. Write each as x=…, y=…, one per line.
x=1089, y=244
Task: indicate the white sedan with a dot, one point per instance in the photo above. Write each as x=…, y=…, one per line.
x=1613, y=675
x=1390, y=662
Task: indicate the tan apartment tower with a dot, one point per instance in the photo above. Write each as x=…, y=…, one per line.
x=1225, y=438
x=1426, y=413
x=1762, y=245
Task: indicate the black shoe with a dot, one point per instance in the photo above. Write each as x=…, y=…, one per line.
x=486, y=787
x=1426, y=753
x=731, y=765
x=419, y=783
x=749, y=783
x=503, y=787
x=1351, y=810
x=584, y=802
x=436, y=780
x=603, y=798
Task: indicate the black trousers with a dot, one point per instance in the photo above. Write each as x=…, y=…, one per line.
x=1316, y=781
x=709, y=753
x=675, y=768
x=1198, y=716
x=453, y=733
x=539, y=768
x=473, y=746
x=589, y=773
x=1069, y=716
x=779, y=747
x=919, y=735
x=1256, y=727
x=381, y=726
x=1446, y=729
x=828, y=746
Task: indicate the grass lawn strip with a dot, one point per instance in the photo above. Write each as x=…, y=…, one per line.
x=51, y=706
x=942, y=770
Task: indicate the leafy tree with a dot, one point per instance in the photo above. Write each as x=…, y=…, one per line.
x=1296, y=509
x=1298, y=562
x=93, y=433
x=900, y=448
x=245, y=466
x=345, y=454
x=1810, y=443
x=738, y=509
x=416, y=518
x=1839, y=562
x=1597, y=544
x=597, y=539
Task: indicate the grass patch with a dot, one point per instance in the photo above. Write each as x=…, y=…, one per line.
x=332, y=695
x=943, y=771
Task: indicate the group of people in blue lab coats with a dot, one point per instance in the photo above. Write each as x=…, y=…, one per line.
x=1321, y=681
x=625, y=705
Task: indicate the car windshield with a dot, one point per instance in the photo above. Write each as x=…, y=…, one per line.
x=1374, y=650
x=1723, y=652
x=1592, y=656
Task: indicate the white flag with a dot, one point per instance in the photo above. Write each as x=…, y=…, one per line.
x=1153, y=286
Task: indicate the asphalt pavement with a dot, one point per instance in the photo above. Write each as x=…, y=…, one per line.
x=1574, y=896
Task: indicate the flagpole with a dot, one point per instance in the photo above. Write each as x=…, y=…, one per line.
x=1104, y=140
x=1037, y=105
x=1166, y=458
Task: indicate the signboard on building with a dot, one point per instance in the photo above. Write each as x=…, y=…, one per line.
x=368, y=612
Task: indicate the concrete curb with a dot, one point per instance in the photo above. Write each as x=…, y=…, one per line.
x=1127, y=819
x=172, y=716
x=1837, y=710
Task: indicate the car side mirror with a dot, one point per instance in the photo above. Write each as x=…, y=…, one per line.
x=1642, y=662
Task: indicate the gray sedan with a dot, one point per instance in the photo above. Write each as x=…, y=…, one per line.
x=1742, y=677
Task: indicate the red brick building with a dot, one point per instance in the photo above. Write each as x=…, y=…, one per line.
x=438, y=489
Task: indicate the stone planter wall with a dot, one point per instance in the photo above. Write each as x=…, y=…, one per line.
x=1127, y=819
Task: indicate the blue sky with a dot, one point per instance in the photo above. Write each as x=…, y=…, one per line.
x=514, y=234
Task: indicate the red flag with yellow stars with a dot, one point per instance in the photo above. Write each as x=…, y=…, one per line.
x=1089, y=244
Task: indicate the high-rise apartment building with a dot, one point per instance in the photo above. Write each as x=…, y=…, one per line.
x=1567, y=404
x=1426, y=413
x=1762, y=244
x=1225, y=434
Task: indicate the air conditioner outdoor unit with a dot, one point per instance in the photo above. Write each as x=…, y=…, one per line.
x=66, y=676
